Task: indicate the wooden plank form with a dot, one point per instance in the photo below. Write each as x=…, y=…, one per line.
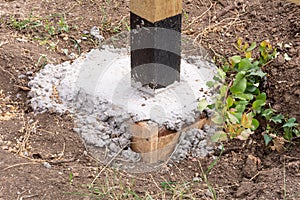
x=155, y=144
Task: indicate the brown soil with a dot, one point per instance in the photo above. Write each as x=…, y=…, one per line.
x=246, y=170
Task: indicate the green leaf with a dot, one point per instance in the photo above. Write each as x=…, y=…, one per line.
x=288, y=133
x=235, y=60
x=233, y=119
x=244, y=65
x=296, y=132
x=268, y=113
x=223, y=90
x=256, y=106
x=210, y=84
x=277, y=118
x=243, y=96
x=217, y=79
x=217, y=118
x=226, y=68
x=252, y=47
x=255, y=124
x=267, y=139
x=240, y=108
x=251, y=88
x=291, y=123
x=221, y=73
x=219, y=137
x=202, y=105
x=240, y=84
x=258, y=73
x=211, y=106
x=229, y=101
x=238, y=115
x=262, y=96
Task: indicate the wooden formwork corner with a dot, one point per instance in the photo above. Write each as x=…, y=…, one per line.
x=157, y=144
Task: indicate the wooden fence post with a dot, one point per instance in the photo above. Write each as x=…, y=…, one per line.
x=155, y=42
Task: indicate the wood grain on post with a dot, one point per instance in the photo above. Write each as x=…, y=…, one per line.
x=156, y=10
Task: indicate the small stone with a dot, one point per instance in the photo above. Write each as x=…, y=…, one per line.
x=5, y=148
x=85, y=153
x=47, y=165
x=18, y=96
x=196, y=179
x=114, y=148
x=209, y=193
x=131, y=155
x=22, y=76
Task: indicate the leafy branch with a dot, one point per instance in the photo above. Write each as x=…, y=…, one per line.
x=239, y=101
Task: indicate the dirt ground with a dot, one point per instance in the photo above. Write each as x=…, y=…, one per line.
x=42, y=158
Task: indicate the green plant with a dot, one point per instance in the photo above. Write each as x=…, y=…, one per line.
x=53, y=24
x=186, y=16
x=239, y=101
x=205, y=173
x=42, y=61
x=276, y=124
x=71, y=176
x=21, y=24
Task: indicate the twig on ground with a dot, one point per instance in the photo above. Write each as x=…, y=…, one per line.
x=218, y=25
x=43, y=130
x=291, y=158
x=63, y=151
x=3, y=43
x=197, y=18
x=29, y=196
x=155, y=183
x=98, y=175
x=251, y=179
x=20, y=164
x=22, y=87
x=10, y=74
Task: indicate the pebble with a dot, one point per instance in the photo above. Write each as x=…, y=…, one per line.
x=5, y=148
x=47, y=165
x=197, y=179
x=22, y=76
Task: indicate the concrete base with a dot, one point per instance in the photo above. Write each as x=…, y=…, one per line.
x=105, y=74
x=97, y=89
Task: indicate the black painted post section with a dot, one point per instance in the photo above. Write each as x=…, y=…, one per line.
x=155, y=51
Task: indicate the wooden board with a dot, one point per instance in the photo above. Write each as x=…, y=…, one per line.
x=154, y=144
x=156, y=10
